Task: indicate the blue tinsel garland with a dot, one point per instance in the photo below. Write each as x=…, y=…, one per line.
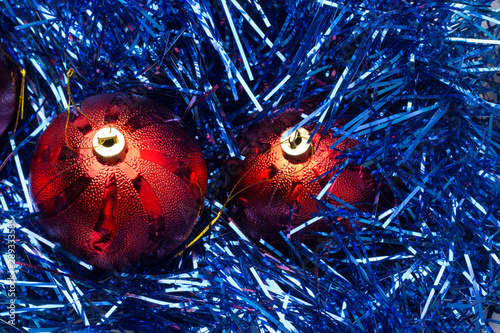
x=421, y=77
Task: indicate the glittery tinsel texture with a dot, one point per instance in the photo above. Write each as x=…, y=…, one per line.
x=417, y=81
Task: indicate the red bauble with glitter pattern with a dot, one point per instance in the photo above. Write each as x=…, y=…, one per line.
x=127, y=184
x=9, y=88
x=278, y=181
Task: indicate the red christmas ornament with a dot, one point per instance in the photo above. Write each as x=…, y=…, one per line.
x=127, y=183
x=9, y=88
x=276, y=180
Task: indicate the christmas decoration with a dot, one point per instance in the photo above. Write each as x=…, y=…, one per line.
x=122, y=182
x=9, y=88
x=417, y=81
x=282, y=175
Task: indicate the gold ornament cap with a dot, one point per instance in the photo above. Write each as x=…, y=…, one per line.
x=296, y=146
x=109, y=144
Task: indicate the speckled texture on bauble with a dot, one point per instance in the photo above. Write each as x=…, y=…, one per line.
x=112, y=214
x=277, y=192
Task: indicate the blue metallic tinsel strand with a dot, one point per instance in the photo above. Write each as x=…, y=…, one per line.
x=418, y=83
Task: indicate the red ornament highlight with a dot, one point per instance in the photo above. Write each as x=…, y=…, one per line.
x=126, y=185
x=279, y=179
x=9, y=88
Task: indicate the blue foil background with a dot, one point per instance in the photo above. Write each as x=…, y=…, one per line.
x=419, y=81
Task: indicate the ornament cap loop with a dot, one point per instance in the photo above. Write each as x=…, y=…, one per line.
x=296, y=145
x=109, y=144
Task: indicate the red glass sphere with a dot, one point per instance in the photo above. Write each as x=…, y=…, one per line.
x=127, y=184
x=277, y=186
x=9, y=88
